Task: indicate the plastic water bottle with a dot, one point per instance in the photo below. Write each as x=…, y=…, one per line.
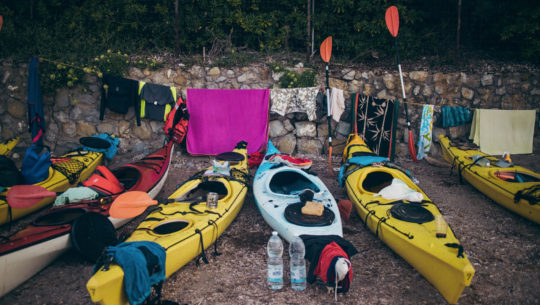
x=482, y=161
x=297, y=252
x=274, y=249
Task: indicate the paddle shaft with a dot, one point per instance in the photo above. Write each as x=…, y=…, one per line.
x=411, y=140
x=329, y=115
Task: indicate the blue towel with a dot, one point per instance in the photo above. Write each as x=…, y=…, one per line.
x=360, y=160
x=136, y=258
x=455, y=116
x=109, y=152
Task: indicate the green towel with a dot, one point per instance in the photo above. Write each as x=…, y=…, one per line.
x=75, y=194
x=498, y=131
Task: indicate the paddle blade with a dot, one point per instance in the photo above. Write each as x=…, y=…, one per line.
x=412, y=150
x=25, y=196
x=131, y=204
x=1, y=22
x=392, y=20
x=326, y=49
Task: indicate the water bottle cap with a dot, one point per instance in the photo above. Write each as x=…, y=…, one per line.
x=274, y=233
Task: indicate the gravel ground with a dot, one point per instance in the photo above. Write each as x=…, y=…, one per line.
x=504, y=249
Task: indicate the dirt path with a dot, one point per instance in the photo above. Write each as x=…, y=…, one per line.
x=504, y=249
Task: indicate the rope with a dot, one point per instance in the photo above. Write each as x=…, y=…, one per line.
x=203, y=254
x=215, y=225
x=531, y=194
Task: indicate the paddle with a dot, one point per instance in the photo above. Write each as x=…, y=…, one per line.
x=131, y=204
x=392, y=23
x=326, y=53
x=134, y=203
x=25, y=196
x=1, y=21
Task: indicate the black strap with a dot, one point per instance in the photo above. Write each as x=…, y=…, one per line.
x=456, y=246
x=203, y=254
x=530, y=194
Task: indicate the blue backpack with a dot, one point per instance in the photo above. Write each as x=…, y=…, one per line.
x=35, y=165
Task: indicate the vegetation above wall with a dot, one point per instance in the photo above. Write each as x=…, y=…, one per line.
x=81, y=34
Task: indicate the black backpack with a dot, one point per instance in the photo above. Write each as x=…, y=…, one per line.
x=9, y=173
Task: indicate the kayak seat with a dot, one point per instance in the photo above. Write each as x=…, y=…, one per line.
x=291, y=183
x=376, y=181
x=59, y=217
x=128, y=176
x=293, y=214
x=200, y=192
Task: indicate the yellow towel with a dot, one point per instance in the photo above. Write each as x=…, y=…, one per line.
x=497, y=131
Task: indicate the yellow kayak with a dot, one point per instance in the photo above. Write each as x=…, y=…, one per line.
x=414, y=230
x=67, y=171
x=7, y=146
x=183, y=226
x=514, y=187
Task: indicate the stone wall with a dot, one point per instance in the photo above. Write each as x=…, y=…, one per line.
x=74, y=113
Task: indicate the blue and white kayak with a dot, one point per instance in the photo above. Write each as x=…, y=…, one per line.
x=278, y=188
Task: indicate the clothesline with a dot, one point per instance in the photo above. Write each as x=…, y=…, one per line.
x=90, y=70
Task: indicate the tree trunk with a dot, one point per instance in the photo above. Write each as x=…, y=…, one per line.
x=308, y=45
x=176, y=35
x=458, y=32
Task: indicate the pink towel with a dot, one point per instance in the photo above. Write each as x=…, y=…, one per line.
x=220, y=118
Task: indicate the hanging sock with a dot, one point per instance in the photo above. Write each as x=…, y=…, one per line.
x=426, y=130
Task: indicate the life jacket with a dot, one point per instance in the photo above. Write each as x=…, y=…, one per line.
x=326, y=267
x=104, y=181
x=176, y=124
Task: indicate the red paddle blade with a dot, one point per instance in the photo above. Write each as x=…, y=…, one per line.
x=392, y=20
x=131, y=204
x=326, y=49
x=25, y=196
x=1, y=22
x=412, y=150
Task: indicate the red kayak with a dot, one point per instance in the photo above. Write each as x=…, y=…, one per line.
x=36, y=246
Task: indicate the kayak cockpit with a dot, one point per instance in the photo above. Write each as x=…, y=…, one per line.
x=291, y=183
x=376, y=181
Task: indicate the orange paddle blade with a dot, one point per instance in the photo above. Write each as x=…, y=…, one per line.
x=326, y=49
x=392, y=20
x=25, y=196
x=131, y=204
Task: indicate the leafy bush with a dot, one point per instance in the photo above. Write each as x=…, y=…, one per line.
x=292, y=79
x=145, y=62
x=114, y=63
x=54, y=75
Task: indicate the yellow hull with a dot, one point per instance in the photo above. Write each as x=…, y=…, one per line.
x=56, y=182
x=486, y=180
x=417, y=243
x=106, y=287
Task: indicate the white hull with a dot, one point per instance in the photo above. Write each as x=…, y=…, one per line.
x=272, y=205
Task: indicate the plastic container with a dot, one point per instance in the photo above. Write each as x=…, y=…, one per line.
x=274, y=249
x=441, y=227
x=297, y=252
x=481, y=160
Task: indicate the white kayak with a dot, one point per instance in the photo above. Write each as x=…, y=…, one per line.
x=277, y=188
